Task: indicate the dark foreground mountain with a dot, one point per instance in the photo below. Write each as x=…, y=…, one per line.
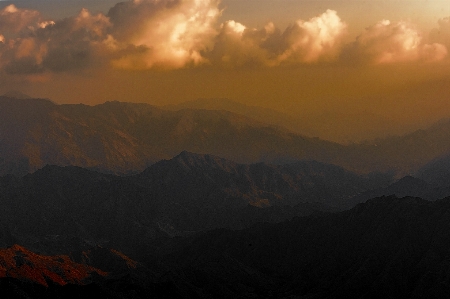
x=18, y=262
x=386, y=248
x=25, y=274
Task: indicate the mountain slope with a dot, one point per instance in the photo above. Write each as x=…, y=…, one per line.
x=399, y=155
x=176, y=197
x=333, y=126
x=125, y=137
x=385, y=248
x=388, y=247
x=18, y=262
x=25, y=274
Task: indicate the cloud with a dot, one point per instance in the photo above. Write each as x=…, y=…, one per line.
x=165, y=33
x=37, y=45
x=318, y=39
x=387, y=42
x=442, y=33
x=13, y=20
x=172, y=34
x=236, y=45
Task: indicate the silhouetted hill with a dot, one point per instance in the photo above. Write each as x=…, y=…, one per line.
x=388, y=247
x=209, y=180
x=16, y=94
x=406, y=186
x=385, y=248
x=176, y=197
x=437, y=171
x=403, y=155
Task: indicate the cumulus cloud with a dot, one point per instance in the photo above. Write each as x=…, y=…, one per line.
x=387, y=42
x=236, y=45
x=143, y=34
x=13, y=20
x=38, y=45
x=318, y=39
x=315, y=39
x=170, y=34
x=165, y=33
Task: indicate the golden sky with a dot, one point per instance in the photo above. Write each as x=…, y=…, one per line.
x=390, y=58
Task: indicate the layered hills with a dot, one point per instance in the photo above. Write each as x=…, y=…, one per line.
x=125, y=200
x=334, y=126
x=125, y=138
x=177, y=197
x=386, y=247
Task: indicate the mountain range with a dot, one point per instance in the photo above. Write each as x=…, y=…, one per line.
x=386, y=247
x=334, y=126
x=187, y=194
x=126, y=200
x=125, y=138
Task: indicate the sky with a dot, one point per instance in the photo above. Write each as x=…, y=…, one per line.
x=388, y=58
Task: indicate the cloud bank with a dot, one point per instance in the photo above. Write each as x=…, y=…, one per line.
x=387, y=42
x=310, y=41
x=172, y=34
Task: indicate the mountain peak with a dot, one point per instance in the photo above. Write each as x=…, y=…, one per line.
x=16, y=95
x=189, y=159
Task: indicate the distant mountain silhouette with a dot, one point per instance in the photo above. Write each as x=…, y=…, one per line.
x=399, y=155
x=125, y=138
x=333, y=126
x=436, y=172
x=16, y=94
x=406, y=186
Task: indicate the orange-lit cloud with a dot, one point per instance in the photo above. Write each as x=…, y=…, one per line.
x=318, y=39
x=172, y=34
x=37, y=45
x=442, y=33
x=168, y=34
x=390, y=42
x=13, y=19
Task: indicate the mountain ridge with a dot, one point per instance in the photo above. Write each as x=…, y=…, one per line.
x=125, y=138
